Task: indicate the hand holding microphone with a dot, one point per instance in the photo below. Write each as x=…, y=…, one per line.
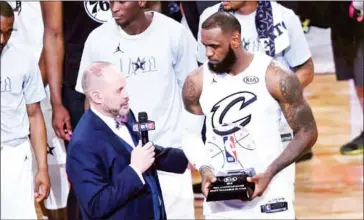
x=142, y=157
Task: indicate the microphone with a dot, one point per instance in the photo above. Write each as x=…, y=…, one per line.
x=143, y=126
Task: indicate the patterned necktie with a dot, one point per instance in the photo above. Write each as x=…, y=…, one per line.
x=121, y=120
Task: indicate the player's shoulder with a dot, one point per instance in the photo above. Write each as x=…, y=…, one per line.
x=209, y=11
x=25, y=53
x=100, y=31
x=287, y=13
x=167, y=24
x=161, y=18
x=20, y=50
x=170, y=29
x=197, y=74
x=277, y=70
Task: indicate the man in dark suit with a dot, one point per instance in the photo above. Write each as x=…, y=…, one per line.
x=113, y=176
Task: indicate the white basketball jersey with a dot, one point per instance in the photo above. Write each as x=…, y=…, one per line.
x=242, y=126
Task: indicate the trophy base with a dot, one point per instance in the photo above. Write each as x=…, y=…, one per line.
x=232, y=186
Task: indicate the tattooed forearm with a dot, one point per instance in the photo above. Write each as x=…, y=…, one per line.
x=299, y=117
x=301, y=120
x=298, y=114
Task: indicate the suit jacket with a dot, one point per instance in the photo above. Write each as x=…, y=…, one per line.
x=105, y=185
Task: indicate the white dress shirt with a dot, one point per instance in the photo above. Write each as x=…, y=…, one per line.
x=121, y=132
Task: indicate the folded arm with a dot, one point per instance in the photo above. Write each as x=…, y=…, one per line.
x=286, y=89
x=96, y=193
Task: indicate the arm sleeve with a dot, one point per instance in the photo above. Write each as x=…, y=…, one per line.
x=192, y=143
x=171, y=160
x=139, y=174
x=33, y=84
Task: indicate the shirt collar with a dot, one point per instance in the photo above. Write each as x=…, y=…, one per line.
x=5, y=49
x=108, y=120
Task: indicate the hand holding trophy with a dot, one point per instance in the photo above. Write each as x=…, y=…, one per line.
x=230, y=182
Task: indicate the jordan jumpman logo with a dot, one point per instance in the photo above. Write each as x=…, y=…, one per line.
x=118, y=49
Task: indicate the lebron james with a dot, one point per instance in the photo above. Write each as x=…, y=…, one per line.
x=242, y=96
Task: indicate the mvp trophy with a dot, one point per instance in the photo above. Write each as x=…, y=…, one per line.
x=231, y=186
x=231, y=183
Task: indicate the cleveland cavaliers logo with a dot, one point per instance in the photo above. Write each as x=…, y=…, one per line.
x=98, y=10
x=229, y=119
x=232, y=112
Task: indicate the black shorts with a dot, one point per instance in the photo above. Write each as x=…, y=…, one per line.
x=349, y=59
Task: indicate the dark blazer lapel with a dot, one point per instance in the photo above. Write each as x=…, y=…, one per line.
x=112, y=137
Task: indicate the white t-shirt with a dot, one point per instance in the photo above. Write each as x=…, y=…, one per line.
x=296, y=54
x=155, y=63
x=20, y=85
x=28, y=25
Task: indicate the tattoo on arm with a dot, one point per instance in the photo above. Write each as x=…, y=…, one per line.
x=289, y=86
x=285, y=87
x=296, y=110
x=305, y=72
x=191, y=93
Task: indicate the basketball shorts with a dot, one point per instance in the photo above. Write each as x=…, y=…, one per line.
x=349, y=60
x=17, y=182
x=58, y=194
x=56, y=155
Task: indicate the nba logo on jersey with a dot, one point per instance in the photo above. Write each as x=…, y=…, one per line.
x=230, y=149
